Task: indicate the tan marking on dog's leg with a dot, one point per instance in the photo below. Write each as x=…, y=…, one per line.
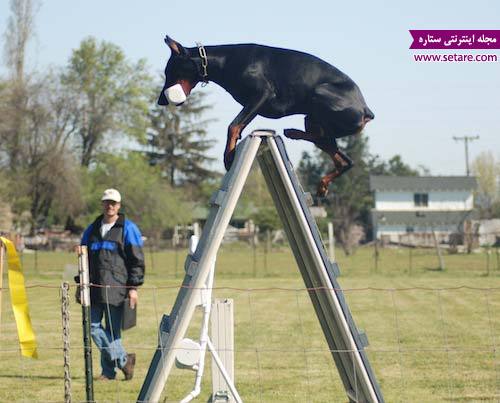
x=234, y=133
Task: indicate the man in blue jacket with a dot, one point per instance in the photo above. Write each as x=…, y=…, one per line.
x=116, y=260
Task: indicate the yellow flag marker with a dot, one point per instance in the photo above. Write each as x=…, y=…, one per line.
x=19, y=301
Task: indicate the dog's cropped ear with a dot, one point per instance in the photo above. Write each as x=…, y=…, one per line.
x=175, y=47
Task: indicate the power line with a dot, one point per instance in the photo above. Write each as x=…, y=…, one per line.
x=466, y=140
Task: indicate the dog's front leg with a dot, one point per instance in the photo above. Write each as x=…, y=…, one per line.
x=233, y=134
x=239, y=123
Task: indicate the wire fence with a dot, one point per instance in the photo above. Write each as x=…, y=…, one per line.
x=427, y=343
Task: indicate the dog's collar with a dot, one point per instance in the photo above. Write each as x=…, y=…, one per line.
x=204, y=63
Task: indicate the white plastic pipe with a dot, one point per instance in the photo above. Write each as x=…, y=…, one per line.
x=206, y=298
x=224, y=373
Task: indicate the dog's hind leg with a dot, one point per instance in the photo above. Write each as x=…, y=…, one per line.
x=313, y=131
x=341, y=162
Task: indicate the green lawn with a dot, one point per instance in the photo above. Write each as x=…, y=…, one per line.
x=432, y=334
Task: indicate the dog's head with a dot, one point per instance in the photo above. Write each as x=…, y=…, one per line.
x=181, y=75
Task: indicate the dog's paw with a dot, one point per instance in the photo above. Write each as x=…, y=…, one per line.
x=322, y=190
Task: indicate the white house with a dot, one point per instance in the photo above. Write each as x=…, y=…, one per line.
x=417, y=206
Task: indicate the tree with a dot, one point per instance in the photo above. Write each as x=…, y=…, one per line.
x=20, y=30
x=495, y=209
x=310, y=171
x=46, y=178
x=256, y=202
x=34, y=132
x=178, y=142
x=394, y=167
x=487, y=171
x=111, y=96
x=147, y=199
x=266, y=218
x=15, y=95
x=349, y=201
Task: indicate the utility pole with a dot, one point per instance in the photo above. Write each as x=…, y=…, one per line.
x=466, y=140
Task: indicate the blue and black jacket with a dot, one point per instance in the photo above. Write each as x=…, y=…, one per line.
x=116, y=260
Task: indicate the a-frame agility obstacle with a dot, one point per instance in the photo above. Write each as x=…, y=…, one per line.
x=344, y=340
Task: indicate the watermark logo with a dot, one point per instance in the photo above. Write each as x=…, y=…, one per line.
x=459, y=39
x=465, y=40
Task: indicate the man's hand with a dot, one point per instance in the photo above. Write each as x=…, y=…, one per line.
x=133, y=297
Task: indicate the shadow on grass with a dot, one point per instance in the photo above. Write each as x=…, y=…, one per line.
x=436, y=269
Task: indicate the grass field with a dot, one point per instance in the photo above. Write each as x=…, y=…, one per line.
x=434, y=335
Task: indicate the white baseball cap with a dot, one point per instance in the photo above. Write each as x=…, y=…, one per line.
x=112, y=194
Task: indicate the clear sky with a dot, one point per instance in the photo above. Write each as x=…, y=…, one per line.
x=418, y=106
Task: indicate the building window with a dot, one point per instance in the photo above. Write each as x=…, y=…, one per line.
x=421, y=199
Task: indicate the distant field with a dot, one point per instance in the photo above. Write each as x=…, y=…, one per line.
x=434, y=335
x=239, y=260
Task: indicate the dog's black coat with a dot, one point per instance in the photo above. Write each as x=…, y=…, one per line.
x=274, y=82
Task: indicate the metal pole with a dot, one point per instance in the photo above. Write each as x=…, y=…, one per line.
x=467, y=156
x=488, y=253
x=176, y=250
x=438, y=250
x=498, y=258
x=223, y=371
x=411, y=258
x=266, y=251
x=331, y=242
x=36, y=260
x=466, y=140
x=83, y=269
x=254, y=254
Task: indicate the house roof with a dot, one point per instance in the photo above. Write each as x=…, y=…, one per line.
x=422, y=183
x=421, y=218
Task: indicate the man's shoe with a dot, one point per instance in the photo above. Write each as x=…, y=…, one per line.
x=128, y=368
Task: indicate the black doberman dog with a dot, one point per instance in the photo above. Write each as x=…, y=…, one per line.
x=273, y=83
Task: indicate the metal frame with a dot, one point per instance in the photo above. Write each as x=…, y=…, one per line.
x=319, y=273
x=222, y=365
x=223, y=340
x=83, y=270
x=174, y=326
x=344, y=340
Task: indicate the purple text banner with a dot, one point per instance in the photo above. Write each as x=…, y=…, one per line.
x=455, y=39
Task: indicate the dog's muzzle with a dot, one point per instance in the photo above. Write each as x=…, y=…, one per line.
x=175, y=94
